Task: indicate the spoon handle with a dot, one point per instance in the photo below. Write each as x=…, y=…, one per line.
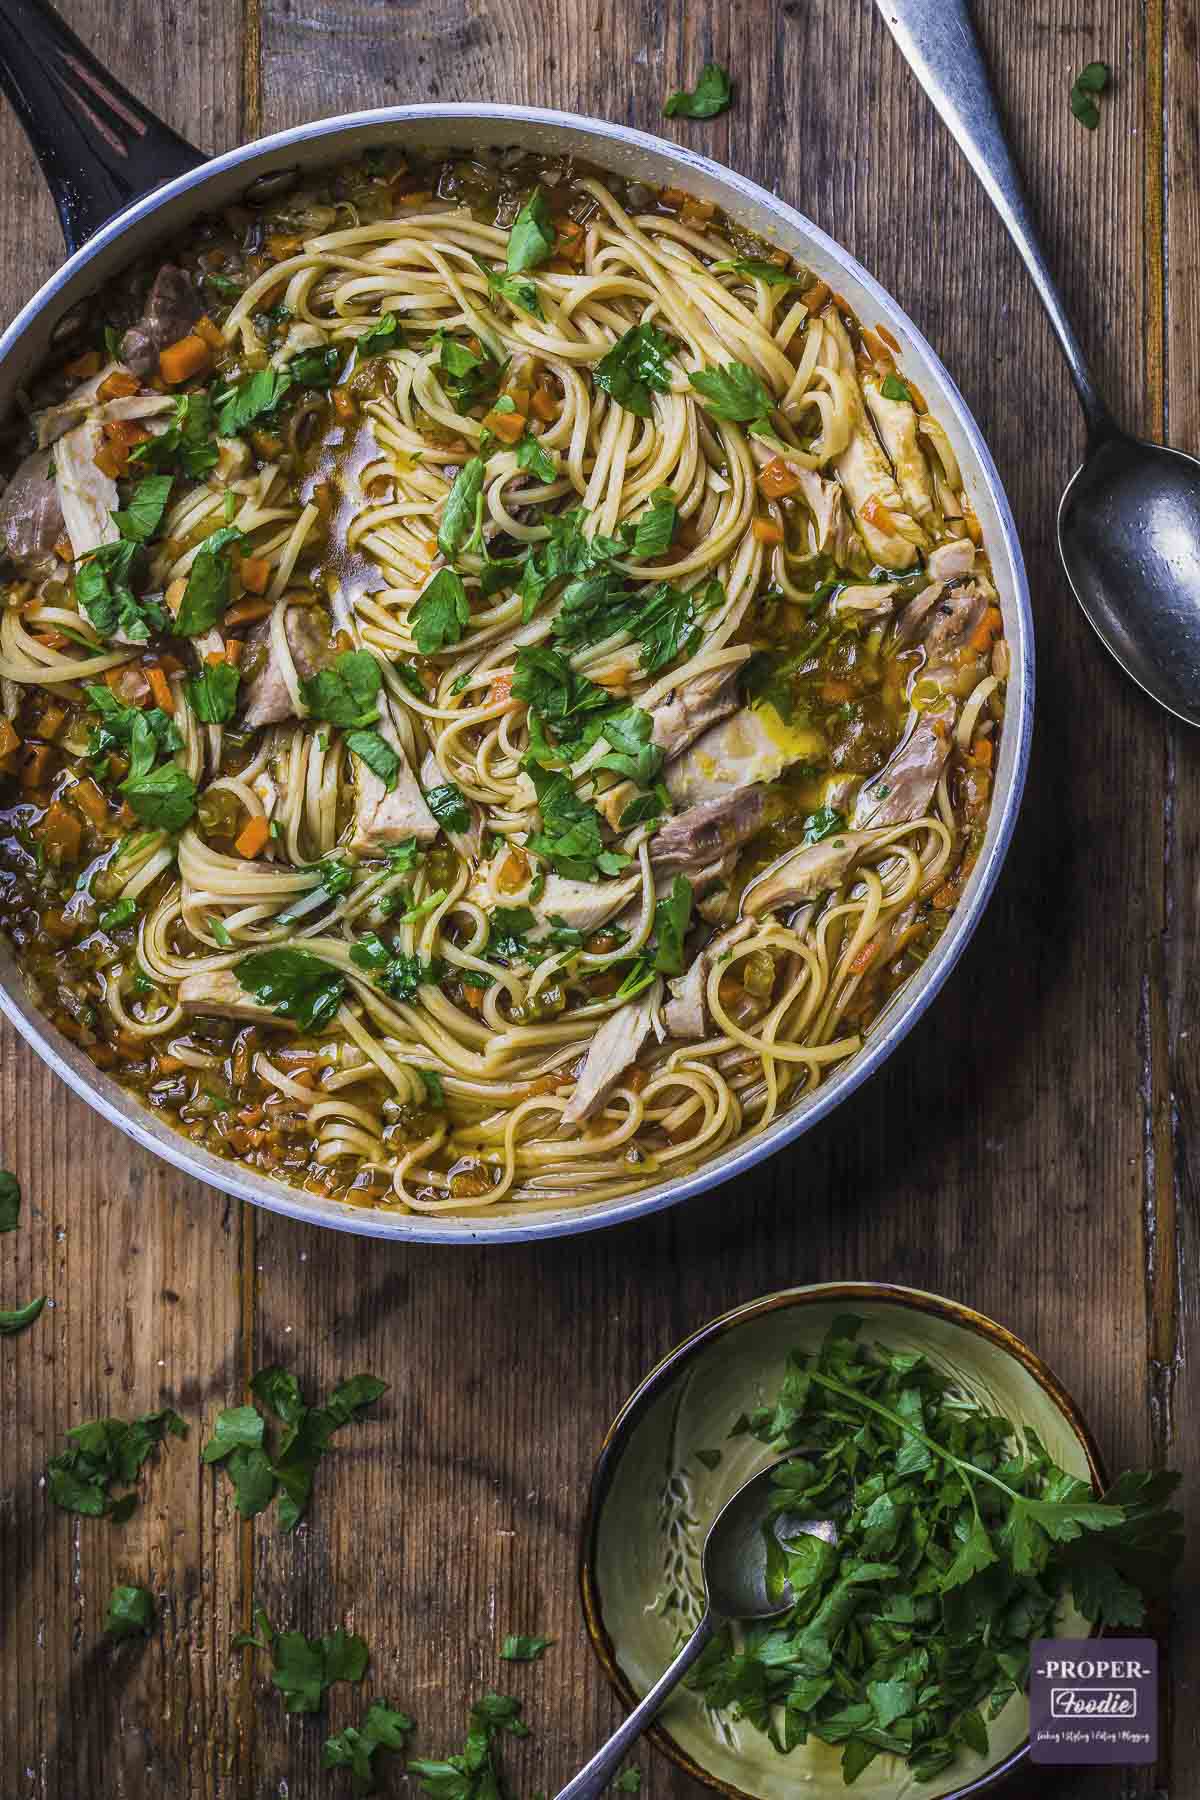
x=939, y=43
x=596, y=1775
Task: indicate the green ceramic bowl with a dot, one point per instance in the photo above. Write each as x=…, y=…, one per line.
x=653, y=1497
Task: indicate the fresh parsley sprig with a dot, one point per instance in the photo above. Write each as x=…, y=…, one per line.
x=1088, y=85
x=710, y=96
x=295, y=984
x=259, y=1471
x=736, y=394
x=355, y=1748
x=302, y=1668
x=102, y=1452
x=21, y=1317
x=957, y=1535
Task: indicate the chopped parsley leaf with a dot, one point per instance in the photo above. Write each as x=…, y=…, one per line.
x=710, y=96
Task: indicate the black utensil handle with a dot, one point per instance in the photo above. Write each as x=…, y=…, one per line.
x=99, y=148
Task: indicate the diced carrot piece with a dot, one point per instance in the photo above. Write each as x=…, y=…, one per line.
x=51, y=721
x=35, y=760
x=111, y=461
x=245, y=612
x=118, y=386
x=982, y=753
x=283, y=244
x=60, y=832
x=520, y=397
x=987, y=629
x=501, y=689
x=252, y=838
x=767, y=531
x=572, y=248
x=778, y=478
x=83, y=366
x=507, y=426
x=204, y=328
x=123, y=433
x=974, y=528
x=160, y=687
x=864, y=958
x=672, y=198
x=186, y=357
x=90, y=800
x=544, y=404
x=251, y=1115
x=233, y=651
x=876, y=513
x=256, y=574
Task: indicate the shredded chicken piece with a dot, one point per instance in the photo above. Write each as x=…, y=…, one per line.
x=614, y=1047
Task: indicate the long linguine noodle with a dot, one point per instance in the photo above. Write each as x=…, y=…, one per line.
x=448, y=1094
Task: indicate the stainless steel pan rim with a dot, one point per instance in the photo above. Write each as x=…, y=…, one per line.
x=161, y=212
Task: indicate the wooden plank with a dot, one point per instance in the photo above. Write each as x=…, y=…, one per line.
x=1175, y=1404
x=1001, y=1156
x=141, y=1264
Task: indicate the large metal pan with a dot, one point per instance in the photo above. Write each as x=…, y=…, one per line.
x=102, y=151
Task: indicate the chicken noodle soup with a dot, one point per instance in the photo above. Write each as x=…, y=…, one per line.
x=500, y=681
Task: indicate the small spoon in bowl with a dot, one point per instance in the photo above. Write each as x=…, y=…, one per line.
x=1129, y=520
x=734, y=1568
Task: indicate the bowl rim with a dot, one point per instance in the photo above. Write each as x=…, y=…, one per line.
x=648, y=1390
x=120, y=1108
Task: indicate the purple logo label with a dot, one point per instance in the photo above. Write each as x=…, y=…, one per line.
x=1093, y=1700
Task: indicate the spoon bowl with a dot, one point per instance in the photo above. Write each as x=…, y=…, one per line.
x=735, y=1551
x=1129, y=539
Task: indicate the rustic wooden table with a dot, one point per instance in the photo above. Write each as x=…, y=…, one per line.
x=1030, y=1149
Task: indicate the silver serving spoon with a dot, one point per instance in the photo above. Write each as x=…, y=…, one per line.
x=734, y=1567
x=1129, y=521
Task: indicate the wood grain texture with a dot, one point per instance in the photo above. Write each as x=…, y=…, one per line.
x=1027, y=1150
x=142, y=1266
